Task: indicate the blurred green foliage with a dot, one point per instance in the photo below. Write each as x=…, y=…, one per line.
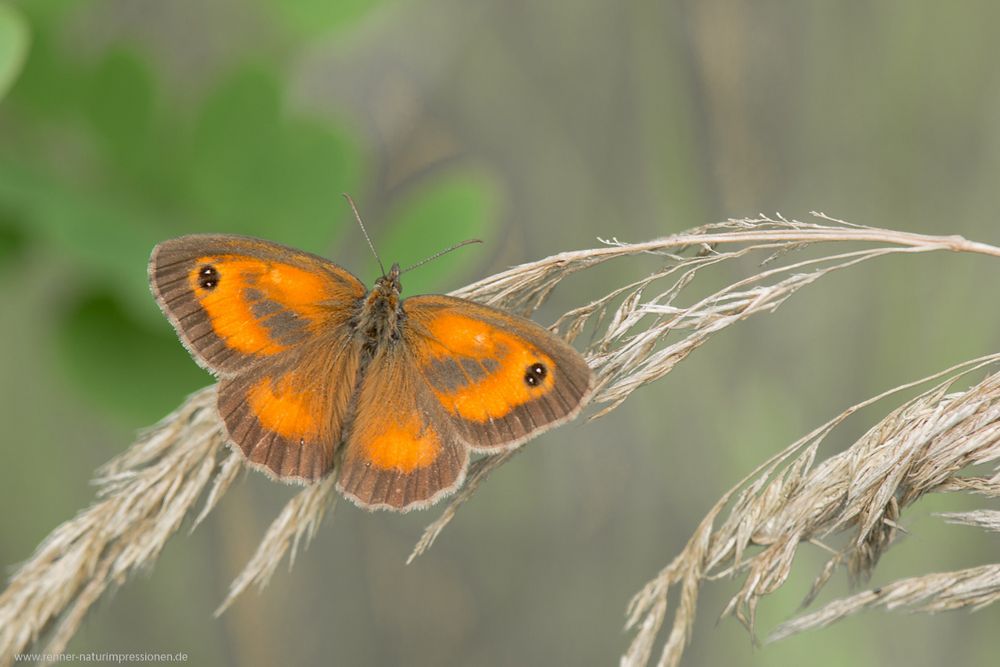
x=103, y=162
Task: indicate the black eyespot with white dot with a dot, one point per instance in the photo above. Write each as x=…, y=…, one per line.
x=535, y=373
x=208, y=277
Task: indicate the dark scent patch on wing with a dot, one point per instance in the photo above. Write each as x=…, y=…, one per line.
x=283, y=326
x=478, y=368
x=446, y=374
x=264, y=307
x=286, y=328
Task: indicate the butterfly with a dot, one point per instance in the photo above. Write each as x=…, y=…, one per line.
x=315, y=371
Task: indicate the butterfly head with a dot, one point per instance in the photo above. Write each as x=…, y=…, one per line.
x=388, y=286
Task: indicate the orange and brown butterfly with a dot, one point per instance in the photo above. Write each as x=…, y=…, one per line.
x=315, y=370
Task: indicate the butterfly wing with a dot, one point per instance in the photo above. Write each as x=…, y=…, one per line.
x=237, y=301
x=288, y=416
x=501, y=379
x=274, y=324
x=402, y=451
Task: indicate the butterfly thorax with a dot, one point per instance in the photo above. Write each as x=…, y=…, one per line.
x=381, y=311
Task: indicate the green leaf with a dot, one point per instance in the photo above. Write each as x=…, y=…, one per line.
x=314, y=165
x=235, y=142
x=458, y=206
x=257, y=172
x=138, y=372
x=14, y=40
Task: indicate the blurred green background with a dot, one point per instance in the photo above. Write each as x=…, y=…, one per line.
x=536, y=127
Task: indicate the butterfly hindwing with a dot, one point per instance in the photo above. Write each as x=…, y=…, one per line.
x=500, y=378
x=401, y=451
x=236, y=301
x=288, y=418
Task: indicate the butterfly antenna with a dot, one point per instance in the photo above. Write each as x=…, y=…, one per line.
x=443, y=252
x=357, y=216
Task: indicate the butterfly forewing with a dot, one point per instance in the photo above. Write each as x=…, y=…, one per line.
x=236, y=301
x=500, y=378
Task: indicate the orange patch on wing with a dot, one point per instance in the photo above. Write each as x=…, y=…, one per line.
x=281, y=408
x=232, y=318
x=298, y=289
x=403, y=446
x=498, y=392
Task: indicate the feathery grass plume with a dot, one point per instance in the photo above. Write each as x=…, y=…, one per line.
x=299, y=520
x=145, y=493
x=974, y=587
x=629, y=349
x=919, y=448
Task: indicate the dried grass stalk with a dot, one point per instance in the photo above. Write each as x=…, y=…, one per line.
x=985, y=519
x=146, y=492
x=972, y=588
